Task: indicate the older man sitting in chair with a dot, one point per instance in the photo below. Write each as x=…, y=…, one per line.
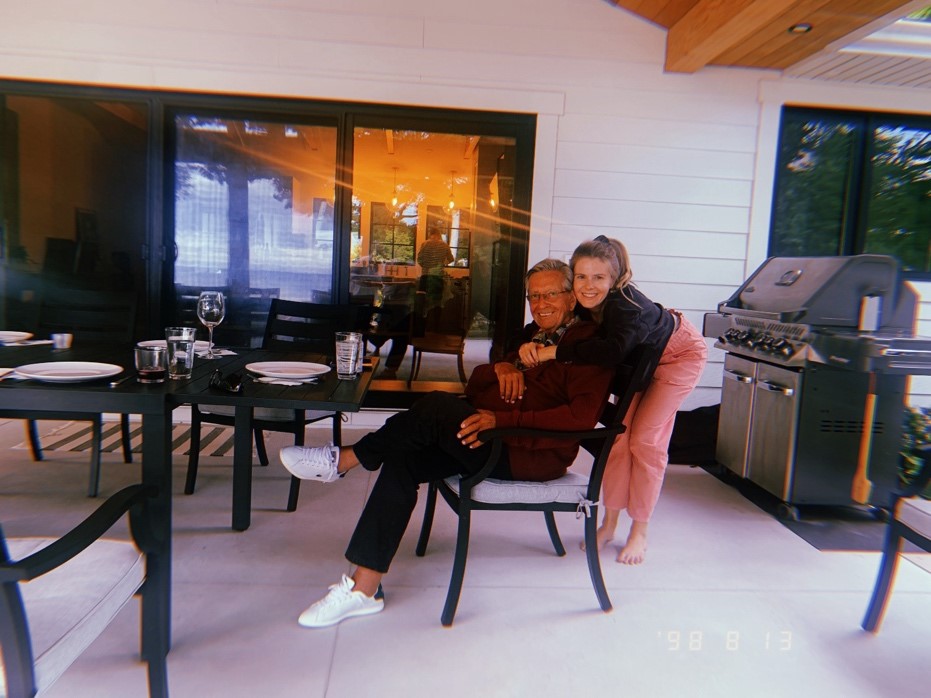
x=437, y=438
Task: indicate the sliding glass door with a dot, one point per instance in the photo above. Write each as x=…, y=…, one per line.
x=253, y=216
x=421, y=213
x=430, y=211
x=73, y=200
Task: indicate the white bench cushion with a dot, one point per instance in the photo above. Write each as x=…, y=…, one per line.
x=70, y=606
x=915, y=513
x=570, y=488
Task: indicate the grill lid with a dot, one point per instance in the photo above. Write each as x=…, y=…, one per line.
x=828, y=292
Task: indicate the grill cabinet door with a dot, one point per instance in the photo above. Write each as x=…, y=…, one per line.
x=736, y=412
x=773, y=429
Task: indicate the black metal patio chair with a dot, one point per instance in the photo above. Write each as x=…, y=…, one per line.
x=910, y=520
x=573, y=492
x=291, y=325
x=58, y=594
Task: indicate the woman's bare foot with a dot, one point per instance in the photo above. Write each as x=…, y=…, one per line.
x=605, y=532
x=604, y=536
x=634, y=550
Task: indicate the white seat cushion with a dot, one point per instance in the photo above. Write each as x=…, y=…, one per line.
x=915, y=513
x=71, y=605
x=269, y=414
x=570, y=488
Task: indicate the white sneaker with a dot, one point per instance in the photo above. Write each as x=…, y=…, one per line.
x=316, y=463
x=341, y=602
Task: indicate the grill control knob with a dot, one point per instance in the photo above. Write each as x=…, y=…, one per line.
x=766, y=342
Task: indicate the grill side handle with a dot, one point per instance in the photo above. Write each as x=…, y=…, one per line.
x=788, y=316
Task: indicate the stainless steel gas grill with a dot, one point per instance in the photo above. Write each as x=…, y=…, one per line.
x=818, y=354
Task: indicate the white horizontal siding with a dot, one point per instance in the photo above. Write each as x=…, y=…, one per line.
x=649, y=187
x=666, y=133
x=728, y=108
x=652, y=215
x=698, y=245
x=654, y=160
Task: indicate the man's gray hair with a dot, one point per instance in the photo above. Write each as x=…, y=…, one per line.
x=550, y=264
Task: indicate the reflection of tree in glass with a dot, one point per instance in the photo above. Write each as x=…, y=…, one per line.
x=853, y=183
x=814, y=172
x=899, y=220
x=216, y=154
x=393, y=237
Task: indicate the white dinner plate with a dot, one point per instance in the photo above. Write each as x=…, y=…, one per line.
x=68, y=371
x=287, y=369
x=199, y=345
x=14, y=336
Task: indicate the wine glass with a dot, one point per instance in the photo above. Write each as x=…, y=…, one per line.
x=211, y=309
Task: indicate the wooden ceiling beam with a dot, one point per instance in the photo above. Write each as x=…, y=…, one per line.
x=713, y=27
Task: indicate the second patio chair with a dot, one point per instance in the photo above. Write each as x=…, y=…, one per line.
x=911, y=521
x=58, y=594
x=442, y=330
x=291, y=326
x=573, y=492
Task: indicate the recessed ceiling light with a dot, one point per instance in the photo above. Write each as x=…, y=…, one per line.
x=801, y=28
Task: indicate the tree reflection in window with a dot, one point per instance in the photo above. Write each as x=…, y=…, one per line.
x=393, y=234
x=849, y=183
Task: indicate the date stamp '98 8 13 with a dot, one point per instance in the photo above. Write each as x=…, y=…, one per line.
x=728, y=641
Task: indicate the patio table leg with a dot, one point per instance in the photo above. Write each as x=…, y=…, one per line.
x=242, y=468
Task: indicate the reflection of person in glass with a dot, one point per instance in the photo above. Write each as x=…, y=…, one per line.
x=433, y=256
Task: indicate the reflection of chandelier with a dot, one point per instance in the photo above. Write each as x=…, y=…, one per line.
x=394, y=198
x=452, y=201
x=493, y=193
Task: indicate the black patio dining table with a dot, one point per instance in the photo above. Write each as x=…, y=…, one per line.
x=156, y=402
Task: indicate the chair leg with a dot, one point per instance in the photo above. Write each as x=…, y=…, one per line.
x=35, y=444
x=427, y=525
x=415, y=367
x=193, y=459
x=554, y=533
x=594, y=561
x=337, y=429
x=260, y=447
x=459, y=564
x=125, y=439
x=887, y=569
x=295, y=490
x=93, y=485
x=294, y=493
x=462, y=374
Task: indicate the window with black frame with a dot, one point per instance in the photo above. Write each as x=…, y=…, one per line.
x=851, y=183
x=393, y=234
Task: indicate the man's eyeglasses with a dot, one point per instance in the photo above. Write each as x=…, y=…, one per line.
x=546, y=296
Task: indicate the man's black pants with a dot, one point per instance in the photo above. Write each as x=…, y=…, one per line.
x=412, y=447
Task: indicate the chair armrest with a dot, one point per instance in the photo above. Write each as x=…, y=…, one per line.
x=78, y=538
x=496, y=437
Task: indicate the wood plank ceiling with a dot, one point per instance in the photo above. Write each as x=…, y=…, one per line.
x=756, y=33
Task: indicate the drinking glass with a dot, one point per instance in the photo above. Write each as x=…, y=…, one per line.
x=211, y=309
x=347, y=351
x=151, y=364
